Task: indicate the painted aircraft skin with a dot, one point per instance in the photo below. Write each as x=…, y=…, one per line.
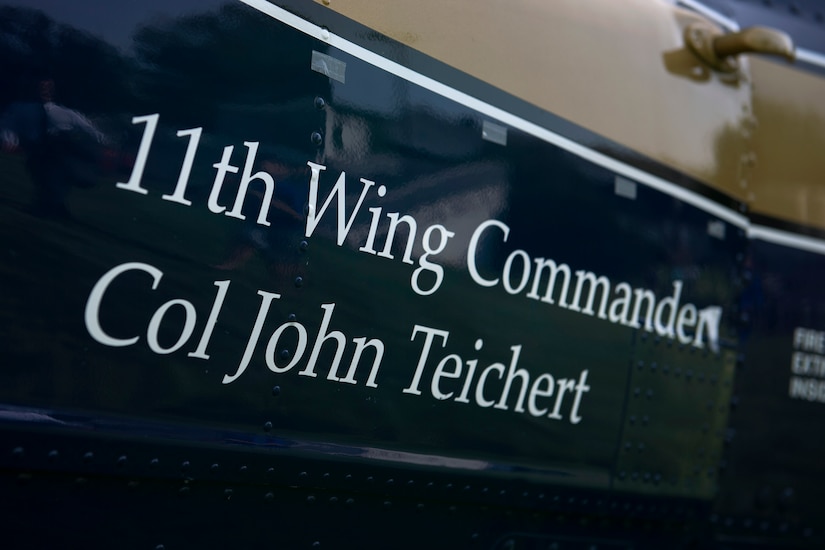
x=333, y=274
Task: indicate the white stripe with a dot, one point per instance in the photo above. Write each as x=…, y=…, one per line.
x=684, y=195
x=711, y=14
x=808, y=56
x=793, y=240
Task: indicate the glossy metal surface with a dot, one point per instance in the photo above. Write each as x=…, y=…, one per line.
x=192, y=311
x=662, y=101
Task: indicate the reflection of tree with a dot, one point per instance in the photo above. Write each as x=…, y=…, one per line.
x=197, y=63
x=90, y=74
x=185, y=67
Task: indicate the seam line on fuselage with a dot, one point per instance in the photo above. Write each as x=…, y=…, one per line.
x=618, y=167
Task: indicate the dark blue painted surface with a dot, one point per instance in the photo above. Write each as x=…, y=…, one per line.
x=652, y=424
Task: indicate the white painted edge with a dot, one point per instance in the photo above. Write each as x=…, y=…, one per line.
x=711, y=14
x=793, y=240
x=807, y=56
x=618, y=167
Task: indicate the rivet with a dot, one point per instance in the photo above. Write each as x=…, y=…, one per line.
x=18, y=452
x=632, y=419
x=184, y=465
x=325, y=34
x=227, y=492
x=333, y=500
x=387, y=504
x=160, y=547
x=390, y=481
x=53, y=455
x=448, y=486
x=276, y=391
x=326, y=476
x=310, y=499
x=649, y=393
x=636, y=392
x=410, y=483
x=303, y=475
x=269, y=496
x=299, y=282
x=215, y=467
x=154, y=463
x=348, y=477
x=467, y=487
x=641, y=447
x=320, y=103
x=640, y=365
x=267, y=426
x=303, y=245
x=292, y=317
x=316, y=544
x=132, y=484
x=270, y=471
x=419, y=506
x=645, y=420
x=121, y=460
x=183, y=491
x=654, y=366
x=88, y=457
x=284, y=354
x=316, y=138
x=350, y=501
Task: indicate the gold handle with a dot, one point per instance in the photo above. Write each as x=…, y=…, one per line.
x=720, y=50
x=755, y=40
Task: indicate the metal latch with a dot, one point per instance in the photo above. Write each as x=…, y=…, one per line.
x=719, y=50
